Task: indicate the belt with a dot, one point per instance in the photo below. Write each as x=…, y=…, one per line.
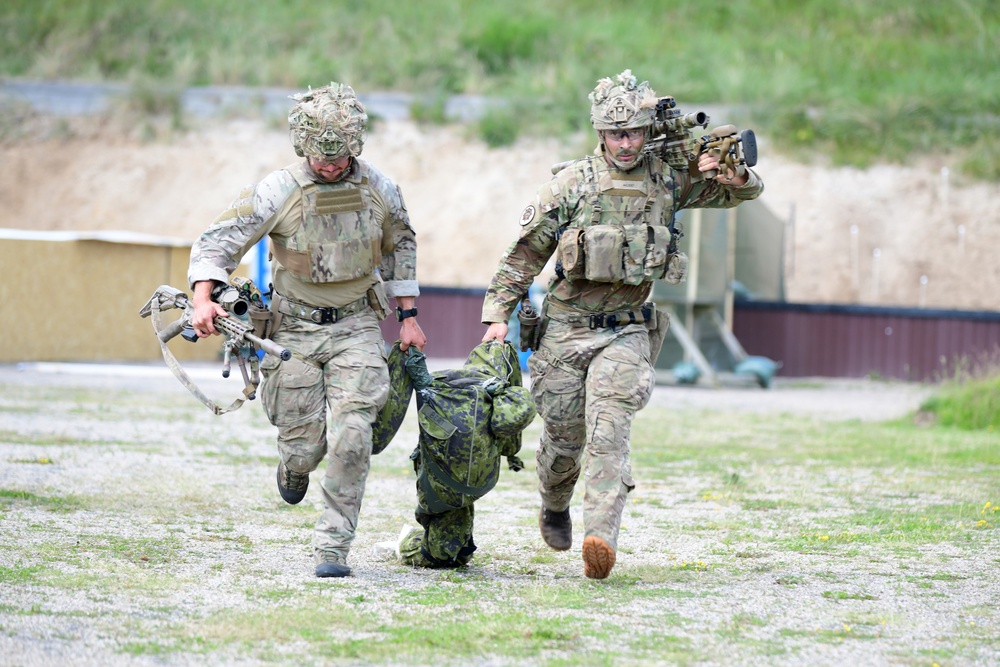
x=320, y=315
x=644, y=313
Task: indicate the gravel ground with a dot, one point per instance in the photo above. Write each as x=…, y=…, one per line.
x=823, y=398
x=243, y=537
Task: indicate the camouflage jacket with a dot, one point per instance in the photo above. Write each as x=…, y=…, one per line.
x=293, y=212
x=591, y=192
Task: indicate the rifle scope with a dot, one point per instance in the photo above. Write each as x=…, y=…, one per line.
x=232, y=300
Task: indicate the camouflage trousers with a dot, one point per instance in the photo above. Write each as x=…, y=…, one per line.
x=446, y=539
x=588, y=385
x=323, y=401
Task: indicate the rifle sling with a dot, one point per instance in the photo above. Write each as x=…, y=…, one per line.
x=185, y=380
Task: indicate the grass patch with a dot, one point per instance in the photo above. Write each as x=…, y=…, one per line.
x=838, y=596
x=459, y=629
x=500, y=127
x=19, y=575
x=739, y=445
x=11, y=499
x=971, y=405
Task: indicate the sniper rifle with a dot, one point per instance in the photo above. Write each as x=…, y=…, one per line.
x=673, y=140
x=245, y=330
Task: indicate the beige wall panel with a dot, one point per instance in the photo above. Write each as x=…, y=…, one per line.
x=79, y=300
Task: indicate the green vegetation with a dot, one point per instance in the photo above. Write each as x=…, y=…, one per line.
x=12, y=498
x=968, y=403
x=856, y=81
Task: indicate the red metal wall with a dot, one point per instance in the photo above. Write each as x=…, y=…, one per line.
x=450, y=317
x=857, y=341
x=810, y=340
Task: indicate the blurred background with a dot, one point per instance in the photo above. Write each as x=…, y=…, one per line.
x=126, y=127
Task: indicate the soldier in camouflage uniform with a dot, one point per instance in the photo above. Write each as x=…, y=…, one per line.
x=606, y=218
x=341, y=245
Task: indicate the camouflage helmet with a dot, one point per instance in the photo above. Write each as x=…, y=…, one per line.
x=327, y=123
x=622, y=104
x=513, y=410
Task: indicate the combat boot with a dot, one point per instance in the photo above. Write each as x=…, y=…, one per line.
x=332, y=569
x=557, y=528
x=292, y=485
x=598, y=558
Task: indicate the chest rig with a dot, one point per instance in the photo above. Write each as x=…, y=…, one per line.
x=621, y=229
x=338, y=237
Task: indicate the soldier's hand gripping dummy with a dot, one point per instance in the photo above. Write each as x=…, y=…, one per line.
x=609, y=220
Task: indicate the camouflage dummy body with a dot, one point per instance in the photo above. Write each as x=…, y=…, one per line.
x=469, y=418
x=405, y=372
x=466, y=425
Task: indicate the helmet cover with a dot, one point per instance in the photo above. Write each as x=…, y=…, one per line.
x=622, y=104
x=328, y=123
x=513, y=411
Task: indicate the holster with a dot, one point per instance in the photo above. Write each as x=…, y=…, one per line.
x=378, y=300
x=532, y=324
x=276, y=315
x=261, y=319
x=529, y=324
x=657, y=333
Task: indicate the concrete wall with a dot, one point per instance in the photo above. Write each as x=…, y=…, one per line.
x=76, y=297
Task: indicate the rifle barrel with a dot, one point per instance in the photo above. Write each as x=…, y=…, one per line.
x=239, y=329
x=270, y=347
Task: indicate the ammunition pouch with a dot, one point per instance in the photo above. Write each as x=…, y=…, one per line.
x=632, y=254
x=602, y=250
x=658, y=252
x=378, y=299
x=571, y=253
x=677, y=269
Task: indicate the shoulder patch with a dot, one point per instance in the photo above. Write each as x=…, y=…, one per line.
x=527, y=215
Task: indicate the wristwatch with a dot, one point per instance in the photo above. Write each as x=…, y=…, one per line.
x=403, y=314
